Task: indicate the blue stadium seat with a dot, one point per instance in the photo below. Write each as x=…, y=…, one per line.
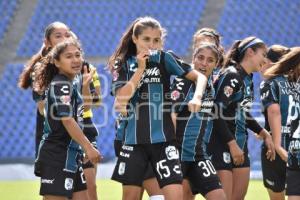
x=100, y=24
x=7, y=11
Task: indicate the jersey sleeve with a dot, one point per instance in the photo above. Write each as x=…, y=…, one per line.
x=119, y=77
x=252, y=124
x=62, y=94
x=221, y=129
x=269, y=93
x=227, y=88
x=175, y=66
x=180, y=93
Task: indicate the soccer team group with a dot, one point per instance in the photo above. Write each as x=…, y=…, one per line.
x=181, y=128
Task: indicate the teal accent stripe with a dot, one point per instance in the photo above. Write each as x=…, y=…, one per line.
x=191, y=133
x=130, y=131
x=240, y=132
x=156, y=113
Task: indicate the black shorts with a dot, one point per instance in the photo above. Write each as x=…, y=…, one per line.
x=134, y=160
x=222, y=160
x=90, y=131
x=56, y=181
x=201, y=175
x=274, y=172
x=292, y=182
x=149, y=172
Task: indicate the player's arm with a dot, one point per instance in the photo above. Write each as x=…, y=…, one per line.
x=274, y=118
x=76, y=134
x=253, y=125
x=176, y=66
x=124, y=93
x=227, y=87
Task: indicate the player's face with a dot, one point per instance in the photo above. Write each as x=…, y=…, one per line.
x=149, y=39
x=205, y=61
x=59, y=35
x=259, y=59
x=266, y=66
x=70, y=62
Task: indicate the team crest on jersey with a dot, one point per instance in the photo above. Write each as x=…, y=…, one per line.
x=172, y=153
x=228, y=91
x=65, y=99
x=115, y=75
x=175, y=95
x=121, y=169
x=226, y=157
x=68, y=184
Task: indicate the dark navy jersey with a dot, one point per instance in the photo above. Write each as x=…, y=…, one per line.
x=191, y=127
x=294, y=120
x=234, y=97
x=149, y=119
x=278, y=90
x=57, y=148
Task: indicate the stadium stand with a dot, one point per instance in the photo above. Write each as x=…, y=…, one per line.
x=7, y=11
x=263, y=19
x=100, y=24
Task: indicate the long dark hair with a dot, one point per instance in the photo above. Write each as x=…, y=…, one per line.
x=46, y=72
x=126, y=45
x=288, y=65
x=237, y=51
x=212, y=33
x=25, y=78
x=276, y=51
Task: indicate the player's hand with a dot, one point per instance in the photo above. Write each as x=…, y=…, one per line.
x=236, y=153
x=141, y=58
x=93, y=155
x=271, y=153
x=87, y=76
x=194, y=105
x=282, y=153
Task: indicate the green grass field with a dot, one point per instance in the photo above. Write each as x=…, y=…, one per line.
x=107, y=189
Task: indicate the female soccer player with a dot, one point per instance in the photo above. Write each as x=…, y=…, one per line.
x=286, y=76
x=59, y=151
x=234, y=96
x=142, y=83
x=198, y=171
x=275, y=109
x=212, y=36
x=89, y=128
x=150, y=183
x=55, y=33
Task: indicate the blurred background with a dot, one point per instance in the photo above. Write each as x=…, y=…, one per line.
x=99, y=24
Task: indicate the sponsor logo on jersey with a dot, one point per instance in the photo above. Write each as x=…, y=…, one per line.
x=128, y=148
x=175, y=95
x=47, y=181
x=226, y=157
x=172, y=153
x=65, y=99
x=68, y=184
x=270, y=182
x=228, y=91
x=126, y=155
x=121, y=169
x=65, y=89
